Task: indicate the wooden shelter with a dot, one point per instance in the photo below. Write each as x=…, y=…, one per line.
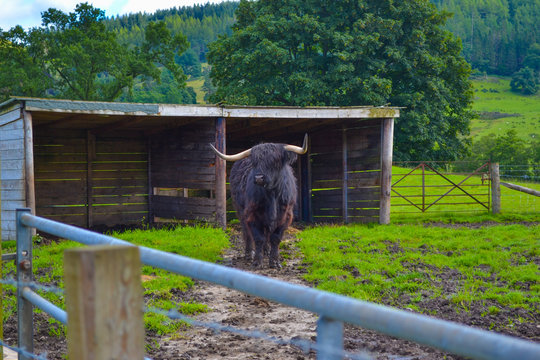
x=98, y=164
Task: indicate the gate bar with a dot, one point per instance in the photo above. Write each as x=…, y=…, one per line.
x=445, y=335
x=45, y=305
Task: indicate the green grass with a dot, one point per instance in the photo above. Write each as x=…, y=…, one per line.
x=515, y=206
x=197, y=84
x=492, y=94
x=404, y=264
x=161, y=288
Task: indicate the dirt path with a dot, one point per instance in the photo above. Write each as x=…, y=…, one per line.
x=230, y=308
x=235, y=309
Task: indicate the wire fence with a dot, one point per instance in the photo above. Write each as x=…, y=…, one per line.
x=460, y=187
x=333, y=310
x=306, y=346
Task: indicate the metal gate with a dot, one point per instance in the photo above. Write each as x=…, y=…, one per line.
x=424, y=187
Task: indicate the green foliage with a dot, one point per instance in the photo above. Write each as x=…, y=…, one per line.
x=391, y=263
x=506, y=149
x=532, y=59
x=201, y=24
x=524, y=81
x=495, y=34
x=351, y=53
x=74, y=56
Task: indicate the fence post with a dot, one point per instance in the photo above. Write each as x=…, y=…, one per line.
x=25, y=332
x=104, y=303
x=495, y=188
x=387, y=141
x=1, y=290
x=329, y=339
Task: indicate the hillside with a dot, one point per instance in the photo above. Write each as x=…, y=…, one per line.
x=496, y=34
x=501, y=110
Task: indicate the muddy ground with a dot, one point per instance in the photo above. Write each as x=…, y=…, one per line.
x=286, y=326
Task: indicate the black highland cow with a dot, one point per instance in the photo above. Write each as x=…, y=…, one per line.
x=263, y=188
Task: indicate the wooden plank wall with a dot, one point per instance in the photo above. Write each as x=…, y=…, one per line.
x=362, y=172
x=90, y=181
x=11, y=170
x=119, y=181
x=183, y=161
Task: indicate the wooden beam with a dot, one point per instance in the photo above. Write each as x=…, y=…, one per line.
x=387, y=143
x=345, y=176
x=90, y=157
x=113, y=125
x=521, y=188
x=221, y=174
x=29, y=162
x=104, y=303
x=305, y=185
x=63, y=120
x=150, y=184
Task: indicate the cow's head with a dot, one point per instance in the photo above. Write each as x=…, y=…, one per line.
x=267, y=159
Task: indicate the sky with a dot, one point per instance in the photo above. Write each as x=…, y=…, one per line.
x=27, y=13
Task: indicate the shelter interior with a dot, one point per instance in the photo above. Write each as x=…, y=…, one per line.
x=98, y=165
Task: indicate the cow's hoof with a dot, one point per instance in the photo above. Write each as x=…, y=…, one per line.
x=256, y=264
x=274, y=264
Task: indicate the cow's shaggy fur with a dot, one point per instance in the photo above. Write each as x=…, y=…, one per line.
x=264, y=193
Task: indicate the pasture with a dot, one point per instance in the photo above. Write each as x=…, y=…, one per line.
x=501, y=110
x=485, y=276
x=457, y=206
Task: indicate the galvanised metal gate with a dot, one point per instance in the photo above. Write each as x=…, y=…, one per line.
x=424, y=187
x=333, y=310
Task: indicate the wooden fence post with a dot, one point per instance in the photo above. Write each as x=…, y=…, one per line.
x=387, y=141
x=221, y=174
x=104, y=303
x=495, y=188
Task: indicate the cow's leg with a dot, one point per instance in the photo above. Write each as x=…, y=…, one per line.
x=248, y=242
x=275, y=239
x=259, y=240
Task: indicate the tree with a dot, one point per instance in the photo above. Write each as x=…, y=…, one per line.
x=532, y=60
x=345, y=53
x=524, y=81
x=74, y=56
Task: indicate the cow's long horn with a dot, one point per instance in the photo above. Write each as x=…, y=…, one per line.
x=234, y=157
x=297, y=149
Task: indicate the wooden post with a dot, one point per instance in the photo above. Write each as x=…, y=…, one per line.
x=104, y=303
x=90, y=158
x=495, y=188
x=221, y=174
x=305, y=185
x=29, y=183
x=387, y=142
x=345, y=182
x=150, y=185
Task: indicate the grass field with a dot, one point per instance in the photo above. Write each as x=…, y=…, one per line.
x=502, y=110
x=161, y=288
x=197, y=85
x=412, y=266
x=457, y=206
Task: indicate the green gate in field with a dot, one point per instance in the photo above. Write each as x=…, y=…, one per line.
x=425, y=188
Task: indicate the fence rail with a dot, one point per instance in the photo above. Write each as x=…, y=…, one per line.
x=333, y=310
